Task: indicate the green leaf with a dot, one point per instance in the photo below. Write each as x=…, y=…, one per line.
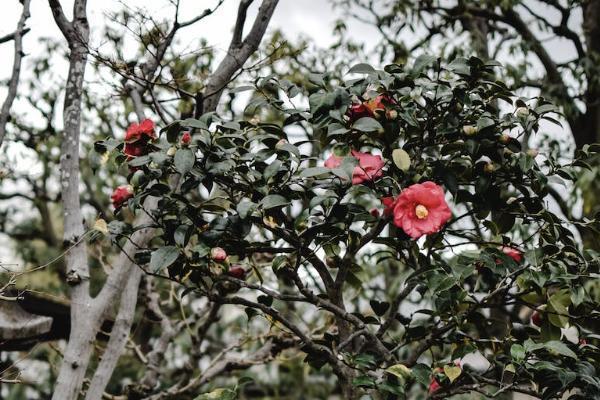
x=484, y=122
x=314, y=171
x=361, y=69
x=274, y=200
x=399, y=370
x=245, y=208
x=184, y=160
x=272, y=169
x=423, y=61
x=422, y=373
x=517, y=352
x=557, y=308
x=163, y=257
x=367, y=124
x=555, y=346
x=401, y=159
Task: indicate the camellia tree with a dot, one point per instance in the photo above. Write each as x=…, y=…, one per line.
x=381, y=258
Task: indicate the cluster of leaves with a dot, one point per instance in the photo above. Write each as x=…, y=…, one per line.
x=251, y=189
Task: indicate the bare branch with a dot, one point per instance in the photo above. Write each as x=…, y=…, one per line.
x=16, y=70
x=118, y=337
x=237, y=55
x=238, y=30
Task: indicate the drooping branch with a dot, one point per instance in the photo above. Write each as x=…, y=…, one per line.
x=16, y=69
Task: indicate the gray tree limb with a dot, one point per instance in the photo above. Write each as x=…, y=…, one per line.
x=16, y=69
x=238, y=52
x=78, y=350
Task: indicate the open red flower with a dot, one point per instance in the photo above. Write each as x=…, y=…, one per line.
x=369, y=167
x=142, y=131
x=358, y=111
x=513, y=253
x=120, y=195
x=137, y=138
x=369, y=108
x=421, y=209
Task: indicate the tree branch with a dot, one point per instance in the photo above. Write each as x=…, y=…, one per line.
x=16, y=70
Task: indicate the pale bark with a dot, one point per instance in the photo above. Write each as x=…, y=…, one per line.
x=78, y=350
x=13, y=83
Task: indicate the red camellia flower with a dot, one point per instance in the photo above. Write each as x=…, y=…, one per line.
x=513, y=253
x=218, y=254
x=434, y=386
x=144, y=130
x=369, y=108
x=358, y=111
x=137, y=138
x=120, y=195
x=368, y=168
x=421, y=209
x=186, y=138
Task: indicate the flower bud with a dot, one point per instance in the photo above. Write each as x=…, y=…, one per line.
x=522, y=112
x=186, y=138
x=391, y=114
x=470, y=130
x=489, y=167
x=532, y=153
x=237, y=272
x=218, y=254
x=504, y=138
x=280, y=144
x=172, y=150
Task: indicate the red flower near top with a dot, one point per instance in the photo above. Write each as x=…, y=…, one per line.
x=513, y=253
x=369, y=108
x=421, y=209
x=137, y=138
x=120, y=195
x=142, y=131
x=358, y=111
x=369, y=167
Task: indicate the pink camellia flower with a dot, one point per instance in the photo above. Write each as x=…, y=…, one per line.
x=120, y=195
x=186, y=138
x=333, y=161
x=513, y=253
x=421, y=209
x=368, y=168
x=218, y=254
x=369, y=108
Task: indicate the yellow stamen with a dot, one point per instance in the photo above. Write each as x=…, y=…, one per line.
x=421, y=211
